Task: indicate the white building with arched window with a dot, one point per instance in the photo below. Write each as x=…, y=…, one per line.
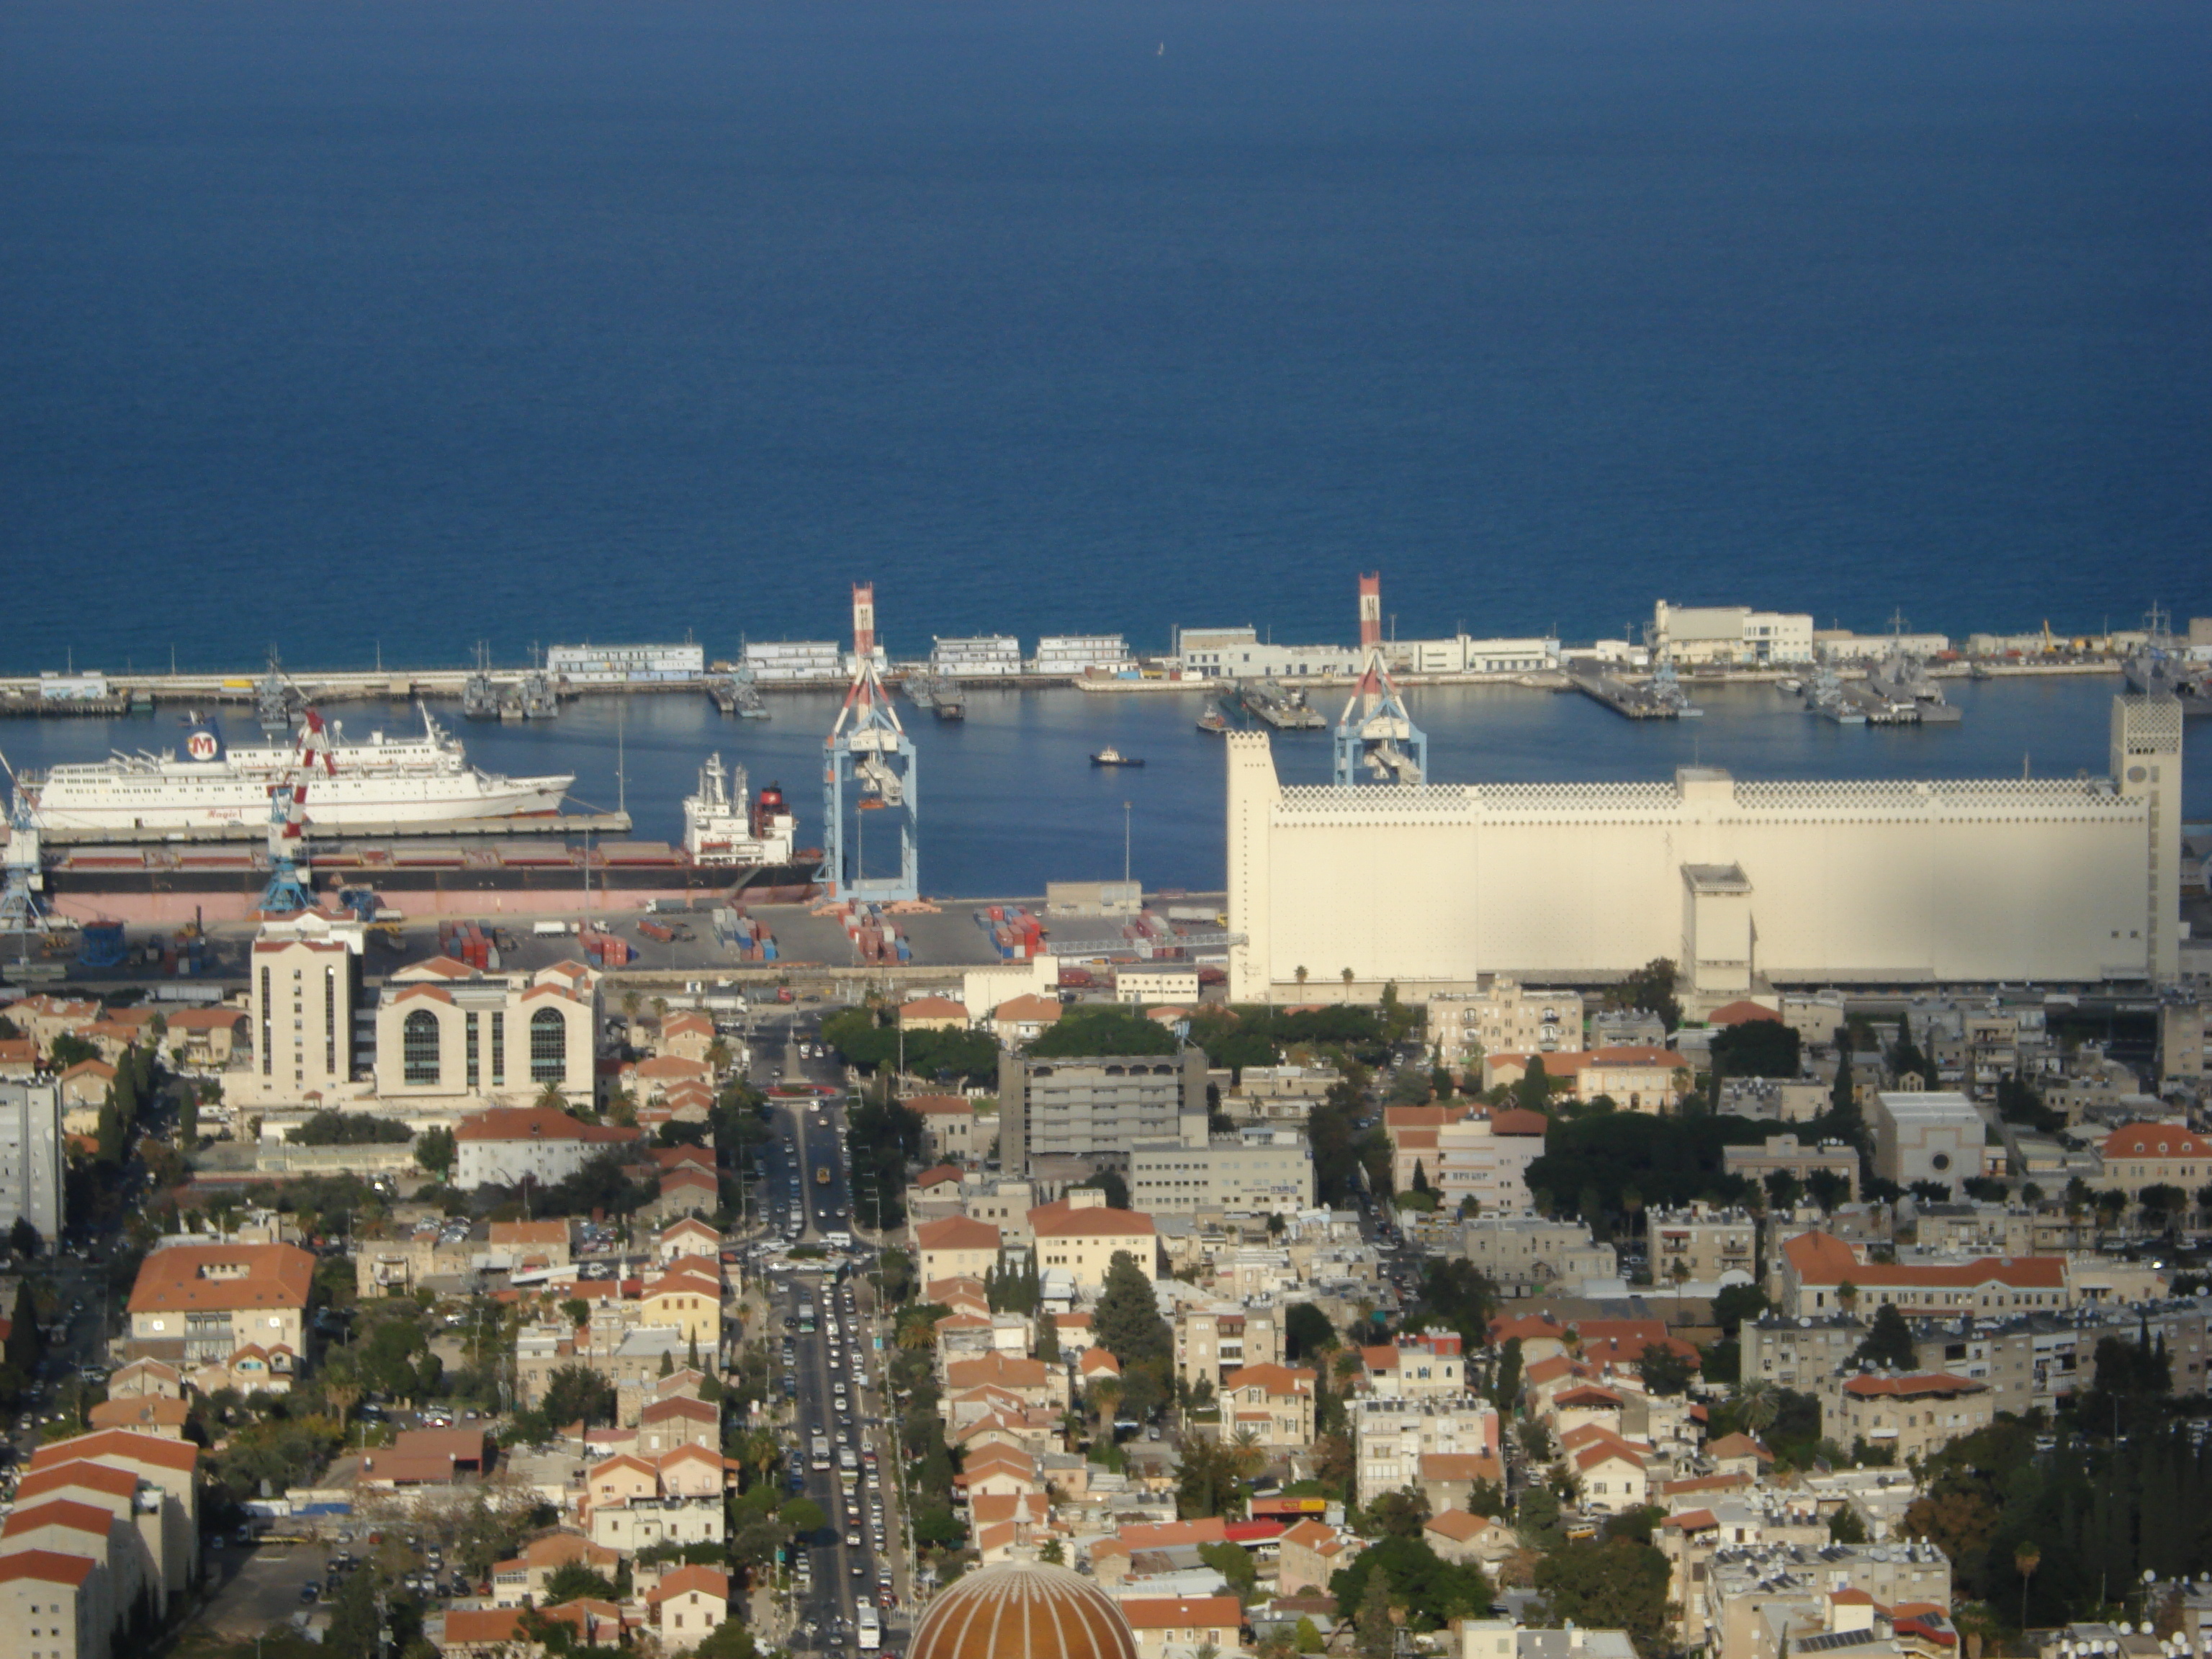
x=448, y=1035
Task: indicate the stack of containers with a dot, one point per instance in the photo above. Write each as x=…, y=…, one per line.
x=751, y=941
x=604, y=948
x=465, y=941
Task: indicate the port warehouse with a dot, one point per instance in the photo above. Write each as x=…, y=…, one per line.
x=1894, y=882
x=1731, y=637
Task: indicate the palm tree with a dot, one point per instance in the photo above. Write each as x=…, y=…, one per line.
x=1348, y=985
x=1631, y=1201
x=659, y=1010
x=2026, y=1559
x=718, y=1055
x=1302, y=976
x=1758, y=1404
x=1847, y=1297
x=1102, y=1396
x=551, y=1097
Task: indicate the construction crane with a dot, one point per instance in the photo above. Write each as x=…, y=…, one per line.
x=868, y=754
x=286, y=893
x=1375, y=730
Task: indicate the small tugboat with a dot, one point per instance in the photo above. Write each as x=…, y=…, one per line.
x=1212, y=721
x=1110, y=756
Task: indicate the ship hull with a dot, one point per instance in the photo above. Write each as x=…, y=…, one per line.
x=229, y=890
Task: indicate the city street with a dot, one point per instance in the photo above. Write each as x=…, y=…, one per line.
x=839, y=1350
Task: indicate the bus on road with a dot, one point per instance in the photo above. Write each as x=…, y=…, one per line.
x=868, y=1628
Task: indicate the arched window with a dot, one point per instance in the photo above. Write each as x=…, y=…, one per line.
x=418, y=1047
x=549, y=1046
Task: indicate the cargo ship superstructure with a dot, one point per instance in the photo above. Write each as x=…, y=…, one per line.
x=387, y=780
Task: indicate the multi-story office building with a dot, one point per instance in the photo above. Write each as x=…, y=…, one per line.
x=1098, y=1108
x=31, y=1188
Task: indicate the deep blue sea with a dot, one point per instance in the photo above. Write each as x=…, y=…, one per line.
x=386, y=324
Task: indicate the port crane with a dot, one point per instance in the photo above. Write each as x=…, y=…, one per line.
x=286, y=893
x=22, y=880
x=869, y=756
x=1375, y=729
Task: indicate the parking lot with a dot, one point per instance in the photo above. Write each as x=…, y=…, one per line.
x=259, y=1584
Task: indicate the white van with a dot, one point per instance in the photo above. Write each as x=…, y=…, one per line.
x=552, y=929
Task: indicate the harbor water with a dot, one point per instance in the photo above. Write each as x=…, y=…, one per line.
x=1010, y=800
x=337, y=327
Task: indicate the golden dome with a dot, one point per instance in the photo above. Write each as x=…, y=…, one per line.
x=1024, y=1610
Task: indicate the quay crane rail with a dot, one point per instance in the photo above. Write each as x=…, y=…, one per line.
x=1375, y=729
x=868, y=754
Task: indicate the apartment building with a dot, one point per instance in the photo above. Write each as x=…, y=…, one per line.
x=1698, y=1245
x=1097, y=1108
x=1526, y=1256
x=1503, y=1016
x=1783, y=1155
x=1212, y=1340
x=1391, y=1437
x=1912, y=1415
x=31, y=1164
x=1258, y=1172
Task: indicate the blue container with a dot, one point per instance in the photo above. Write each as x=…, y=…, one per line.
x=101, y=945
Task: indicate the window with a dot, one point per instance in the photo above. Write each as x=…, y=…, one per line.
x=470, y=1046
x=549, y=1046
x=418, y=1048
x=498, y=1048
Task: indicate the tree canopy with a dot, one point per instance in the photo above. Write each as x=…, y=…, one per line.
x=1102, y=1029
x=1432, y=1590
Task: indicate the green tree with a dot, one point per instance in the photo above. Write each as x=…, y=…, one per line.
x=803, y=1517
x=1432, y=1591
x=1614, y=1584
x=1846, y=1526
x=1756, y=1047
x=1399, y=1514
x=434, y=1151
x=1505, y=1392
x=1234, y=1564
x=1127, y=1321
x=1307, y=1331
x=1102, y=1029
x=574, y=1582
x=576, y=1394
x=1888, y=1341
x=1664, y=1371
x=1534, y=1090
x=1374, y=1635
x=1048, y=1339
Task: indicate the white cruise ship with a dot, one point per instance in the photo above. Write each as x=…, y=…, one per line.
x=385, y=781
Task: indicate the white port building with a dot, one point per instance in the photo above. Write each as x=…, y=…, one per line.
x=1729, y=635
x=613, y=665
x=771, y=661
x=1078, y=654
x=2065, y=881
x=991, y=656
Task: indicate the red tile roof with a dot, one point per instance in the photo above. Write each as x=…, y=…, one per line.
x=1062, y=1220
x=1916, y=1385
x=44, y=1567
x=538, y=1123
x=2155, y=1140
x=179, y=1278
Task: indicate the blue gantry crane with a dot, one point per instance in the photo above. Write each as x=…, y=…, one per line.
x=1375, y=730
x=286, y=893
x=868, y=763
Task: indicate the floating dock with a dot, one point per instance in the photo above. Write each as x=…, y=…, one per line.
x=1286, y=710
x=1651, y=700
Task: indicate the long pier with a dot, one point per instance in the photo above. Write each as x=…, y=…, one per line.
x=1635, y=701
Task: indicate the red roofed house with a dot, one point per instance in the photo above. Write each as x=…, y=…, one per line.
x=1611, y=1470
x=949, y=1128
x=67, y=1594
x=164, y=1481
x=1162, y=1622
x=688, y=1034
x=197, y=1305
x=1912, y=1414
x=206, y=1037
x=691, y=1604
x=502, y=1146
x=1457, y=1537
x=1274, y=1403
x=955, y=1246
x=933, y=1014
x=1308, y=1553
x=1080, y=1236
x=1814, y=1266
x=1024, y=1018
x=1449, y=1480
x=2142, y=1155
x=1636, y=1077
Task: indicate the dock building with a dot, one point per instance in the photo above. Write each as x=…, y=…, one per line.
x=615, y=665
x=1729, y=635
x=1077, y=654
x=2065, y=881
x=989, y=657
